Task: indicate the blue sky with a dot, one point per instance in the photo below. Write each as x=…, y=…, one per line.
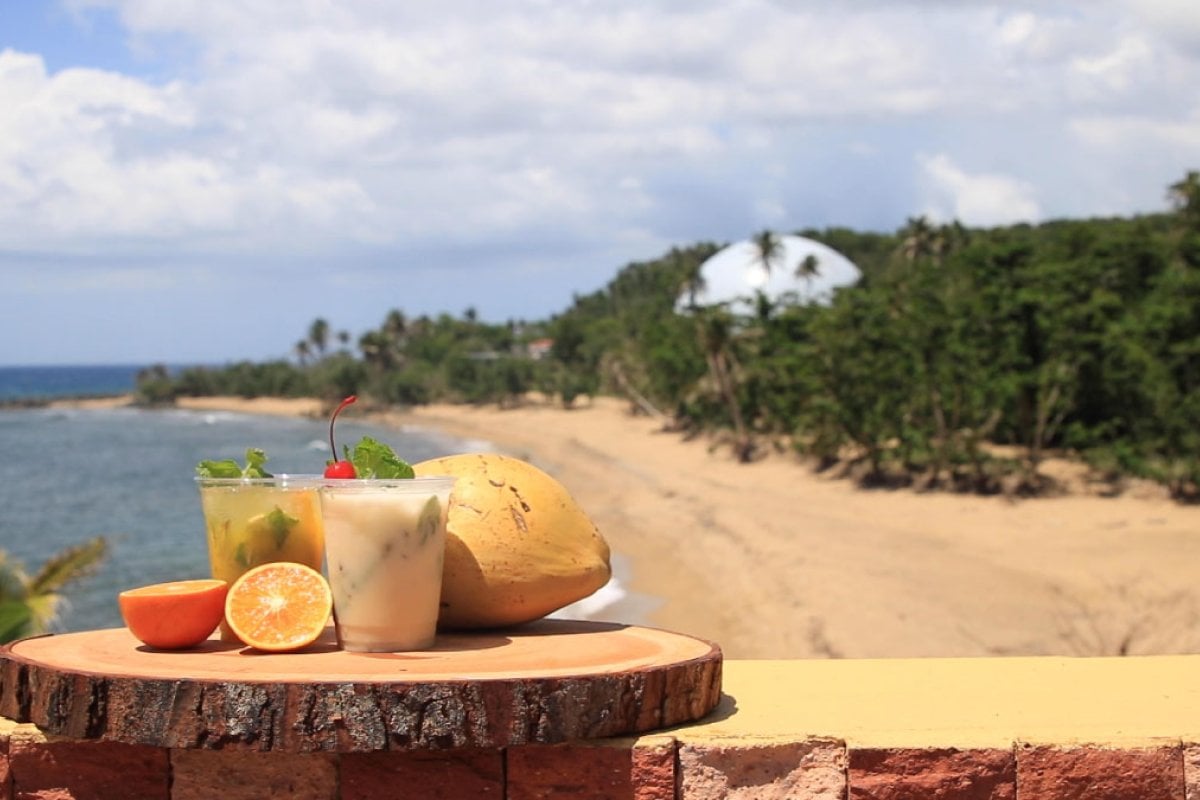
x=190, y=181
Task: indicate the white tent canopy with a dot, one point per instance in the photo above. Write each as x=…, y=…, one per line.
x=735, y=275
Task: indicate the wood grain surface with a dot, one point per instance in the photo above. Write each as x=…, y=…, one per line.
x=551, y=681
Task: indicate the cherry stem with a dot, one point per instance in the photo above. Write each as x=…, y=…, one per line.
x=337, y=411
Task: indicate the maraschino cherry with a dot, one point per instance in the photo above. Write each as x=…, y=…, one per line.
x=335, y=468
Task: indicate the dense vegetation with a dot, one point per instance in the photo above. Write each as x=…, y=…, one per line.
x=961, y=358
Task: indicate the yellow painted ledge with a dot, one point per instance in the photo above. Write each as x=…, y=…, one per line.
x=960, y=702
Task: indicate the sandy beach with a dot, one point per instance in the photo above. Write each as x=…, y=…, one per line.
x=772, y=560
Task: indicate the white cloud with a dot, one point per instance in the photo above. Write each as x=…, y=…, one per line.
x=1129, y=134
x=1040, y=37
x=980, y=199
x=501, y=136
x=369, y=121
x=1175, y=21
x=1127, y=65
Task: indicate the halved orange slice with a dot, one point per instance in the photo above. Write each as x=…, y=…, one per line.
x=174, y=615
x=279, y=606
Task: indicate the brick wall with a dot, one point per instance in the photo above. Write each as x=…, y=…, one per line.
x=656, y=767
x=936, y=729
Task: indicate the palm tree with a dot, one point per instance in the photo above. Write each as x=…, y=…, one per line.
x=29, y=606
x=715, y=331
x=769, y=248
x=303, y=351
x=693, y=284
x=764, y=307
x=318, y=334
x=951, y=238
x=1185, y=197
x=919, y=239
x=808, y=268
x=395, y=326
x=380, y=351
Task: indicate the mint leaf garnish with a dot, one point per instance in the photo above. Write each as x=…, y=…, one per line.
x=219, y=469
x=255, y=458
x=280, y=525
x=373, y=459
x=228, y=468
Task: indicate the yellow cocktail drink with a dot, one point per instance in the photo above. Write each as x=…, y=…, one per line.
x=252, y=521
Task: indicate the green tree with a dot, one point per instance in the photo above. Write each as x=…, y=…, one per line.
x=30, y=605
x=807, y=270
x=318, y=335
x=693, y=284
x=778, y=378
x=918, y=239
x=1185, y=198
x=864, y=375
x=395, y=326
x=715, y=328
x=575, y=373
x=338, y=376
x=379, y=351
x=153, y=386
x=768, y=248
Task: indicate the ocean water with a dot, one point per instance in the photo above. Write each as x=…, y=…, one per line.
x=18, y=383
x=67, y=475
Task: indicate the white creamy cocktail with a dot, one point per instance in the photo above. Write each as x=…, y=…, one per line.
x=384, y=545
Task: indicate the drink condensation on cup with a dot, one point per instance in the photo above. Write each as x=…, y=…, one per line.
x=384, y=547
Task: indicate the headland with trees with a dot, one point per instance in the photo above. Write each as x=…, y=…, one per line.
x=961, y=359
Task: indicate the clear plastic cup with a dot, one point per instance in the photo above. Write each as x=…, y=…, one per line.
x=252, y=521
x=385, y=542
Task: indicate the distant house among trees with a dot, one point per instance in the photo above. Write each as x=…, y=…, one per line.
x=539, y=348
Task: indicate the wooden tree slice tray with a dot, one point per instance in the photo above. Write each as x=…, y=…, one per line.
x=551, y=681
